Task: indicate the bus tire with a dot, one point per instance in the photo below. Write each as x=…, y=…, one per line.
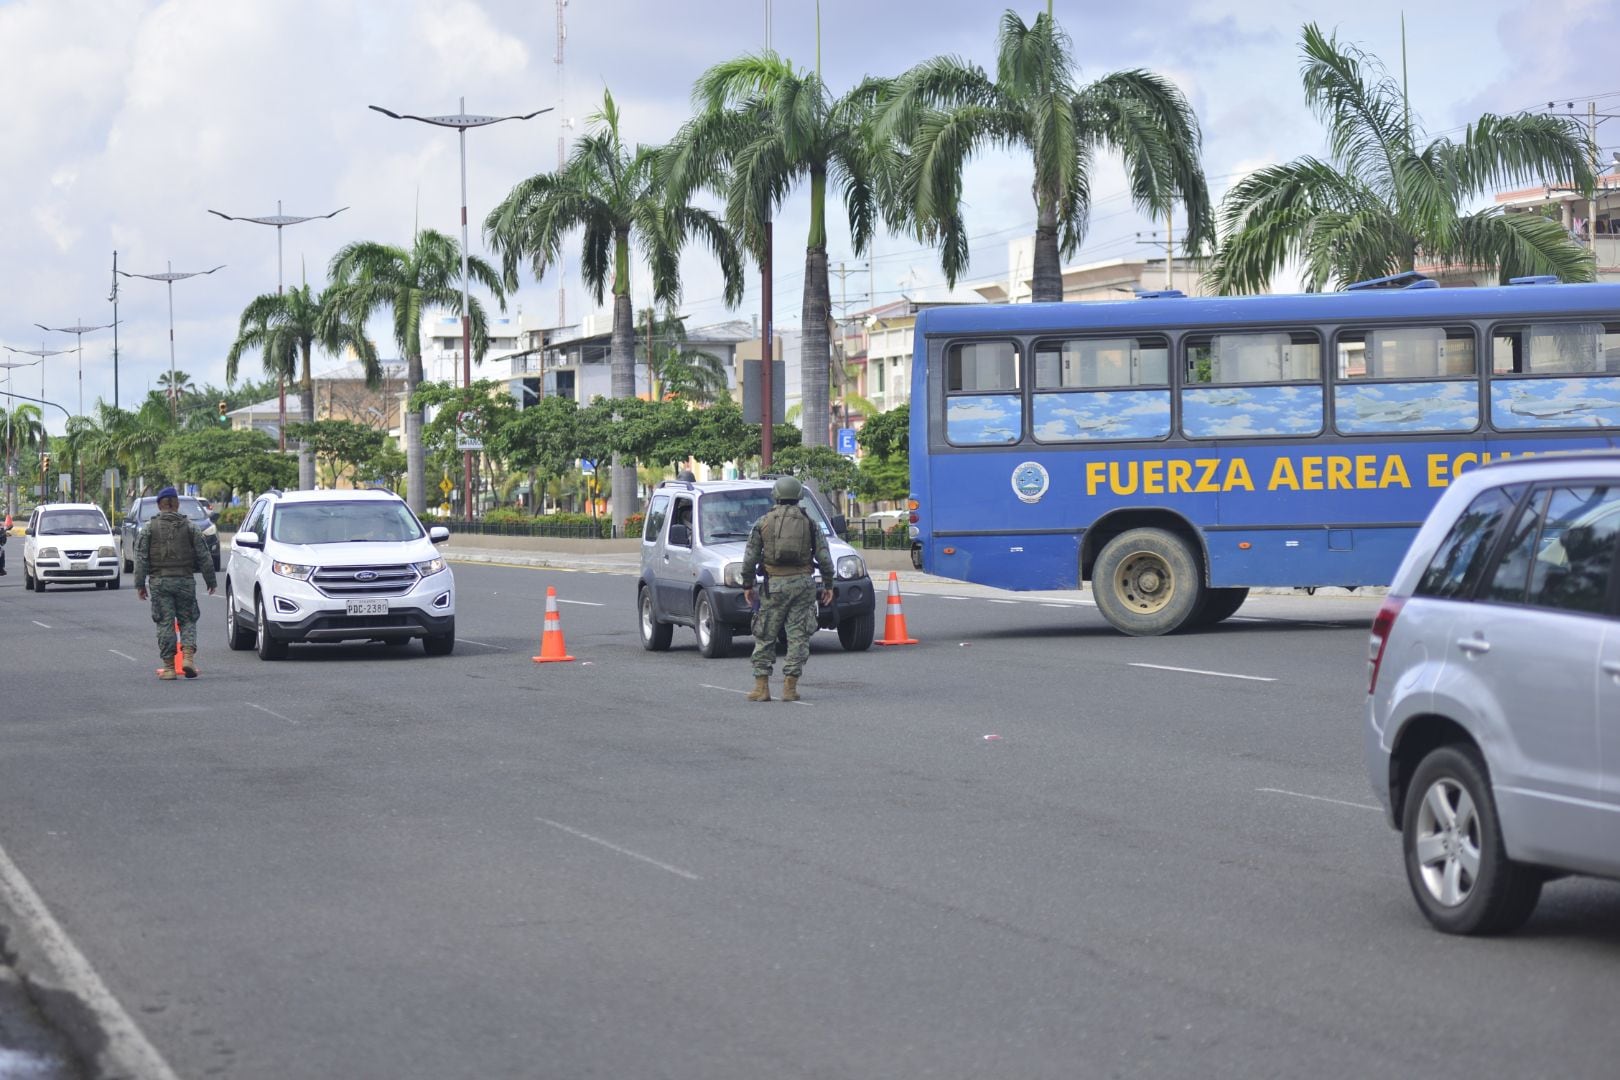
x=1147, y=582
x=1219, y=605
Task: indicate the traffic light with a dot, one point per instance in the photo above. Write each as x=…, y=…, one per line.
x=44, y=463
x=223, y=407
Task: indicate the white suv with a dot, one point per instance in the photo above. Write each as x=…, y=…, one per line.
x=70, y=544
x=325, y=566
x=1493, y=734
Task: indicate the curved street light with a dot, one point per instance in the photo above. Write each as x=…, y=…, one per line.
x=280, y=221
x=78, y=332
x=169, y=277
x=10, y=462
x=461, y=122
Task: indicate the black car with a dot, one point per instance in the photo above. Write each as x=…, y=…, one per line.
x=145, y=509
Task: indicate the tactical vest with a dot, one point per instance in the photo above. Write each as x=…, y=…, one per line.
x=170, y=550
x=788, y=537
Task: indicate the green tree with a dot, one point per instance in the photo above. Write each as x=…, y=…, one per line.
x=1385, y=196
x=886, y=434
x=613, y=194
x=677, y=369
x=407, y=282
x=347, y=448
x=763, y=128
x=719, y=434
x=22, y=428
x=286, y=327
x=945, y=110
x=243, y=461
x=829, y=470
x=542, y=440
x=884, y=479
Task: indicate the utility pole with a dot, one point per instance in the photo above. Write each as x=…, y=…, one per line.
x=563, y=124
x=1170, y=246
x=114, y=299
x=767, y=353
x=1591, y=137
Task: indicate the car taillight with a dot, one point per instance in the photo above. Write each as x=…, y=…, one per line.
x=1383, y=625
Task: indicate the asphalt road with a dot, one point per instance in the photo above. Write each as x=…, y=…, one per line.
x=363, y=862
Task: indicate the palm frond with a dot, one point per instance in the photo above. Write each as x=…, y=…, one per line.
x=1520, y=244
x=1364, y=109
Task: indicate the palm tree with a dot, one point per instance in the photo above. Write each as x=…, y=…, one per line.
x=286, y=327
x=945, y=110
x=129, y=439
x=763, y=128
x=407, y=282
x=174, y=384
x=22, y=428
x=616, y=195
x=677, y=370
x=1385, y=196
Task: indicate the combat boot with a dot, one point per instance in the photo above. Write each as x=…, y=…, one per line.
x=790, y=688
x=762, y=689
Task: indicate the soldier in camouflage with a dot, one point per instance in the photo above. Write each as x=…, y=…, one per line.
x=170, y=550
x=782, y=546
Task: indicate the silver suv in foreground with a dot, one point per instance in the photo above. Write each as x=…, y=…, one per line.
x=691, y=566
x=1493, y=710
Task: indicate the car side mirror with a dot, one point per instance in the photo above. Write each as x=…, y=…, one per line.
x=840, y=526
x=680, y=535
x=28, y=531
x=248, y=540
x=438, y=534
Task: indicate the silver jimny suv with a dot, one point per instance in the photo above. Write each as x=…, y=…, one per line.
x=691, y=565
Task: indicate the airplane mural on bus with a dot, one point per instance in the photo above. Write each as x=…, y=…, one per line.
x=1575, y=402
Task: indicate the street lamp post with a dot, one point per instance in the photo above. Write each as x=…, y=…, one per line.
x=42, y=353
x=11, y=457
x=280, y=221
x=169, y=277
x=461, y=122
x=78, y=331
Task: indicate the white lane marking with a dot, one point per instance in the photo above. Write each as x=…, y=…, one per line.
x=1201, y=671
x=485, y=644
x=727, y=689
x=272, y=712
x=125, y=655
x=687, y=874
x=581, y=603
x=1005, y=601
x=36, y=622
x=945, y=597
x=127, y=1051
x=1317, y=798
x=1058, y=605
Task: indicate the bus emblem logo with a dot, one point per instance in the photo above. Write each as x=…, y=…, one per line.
x=1030, y=481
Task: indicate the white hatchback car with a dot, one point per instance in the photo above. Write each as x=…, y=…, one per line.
x=324, y=566
x=70, y=544
x=1493, y=734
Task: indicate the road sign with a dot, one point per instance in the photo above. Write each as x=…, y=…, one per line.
x=446, y=486
x=587, y=467
x=444, y=508
x=469, y=444
x=846, y=441
x=64, y=482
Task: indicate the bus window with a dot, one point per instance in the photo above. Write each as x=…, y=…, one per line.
x=1412, y=352
x=1254, y=358
x=1556, y=349
x=983, y=402
x=1088, y=364
x=1074, y=397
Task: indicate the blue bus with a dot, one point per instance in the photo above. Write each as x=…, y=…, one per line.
x=1177, y=451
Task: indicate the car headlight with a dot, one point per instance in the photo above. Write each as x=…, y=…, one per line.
x=106, y=552
x=212, y=530
x=49, y=553
x=732, y=575
x=296, y=571
x=429, y=568
x=851, y=566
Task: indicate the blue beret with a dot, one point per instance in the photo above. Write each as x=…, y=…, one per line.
x=168, y=493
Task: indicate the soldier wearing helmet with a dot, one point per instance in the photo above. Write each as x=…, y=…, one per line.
x=782, y=547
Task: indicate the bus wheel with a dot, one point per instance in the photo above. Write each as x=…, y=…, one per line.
x=1219, y=605
x=1146, y=582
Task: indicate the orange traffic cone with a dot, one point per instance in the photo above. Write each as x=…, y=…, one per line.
x=179, y=654
x=894, y=621
x=552, y=648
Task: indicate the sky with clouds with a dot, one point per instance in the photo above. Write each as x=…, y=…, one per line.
x=128, y=119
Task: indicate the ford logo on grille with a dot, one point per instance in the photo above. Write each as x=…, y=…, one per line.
x=366, y=575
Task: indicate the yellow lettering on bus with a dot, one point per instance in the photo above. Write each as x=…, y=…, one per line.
x=1437, y=471
x=1467, y=457
x=1394, y=473
x=1180, y=475
x=1366, y=472
x=1338, y=473
x=1206, y=479
x=1153, y=478
x=1283, y=475
x=1114, y=482
x=1094, y=476
x=1237, y=476
x=1310, y=473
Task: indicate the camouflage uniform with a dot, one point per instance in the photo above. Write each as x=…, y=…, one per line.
x=173, y=589
x=788, y=602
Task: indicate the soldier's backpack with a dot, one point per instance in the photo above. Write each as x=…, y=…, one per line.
x=788, y=537
x=170, y=547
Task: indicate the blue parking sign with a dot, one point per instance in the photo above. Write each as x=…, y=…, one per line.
x=846, y=441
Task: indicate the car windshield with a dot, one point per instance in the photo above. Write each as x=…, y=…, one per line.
x=344, y=523
x=188, y=506
x=730, y=515
x=63, y=522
